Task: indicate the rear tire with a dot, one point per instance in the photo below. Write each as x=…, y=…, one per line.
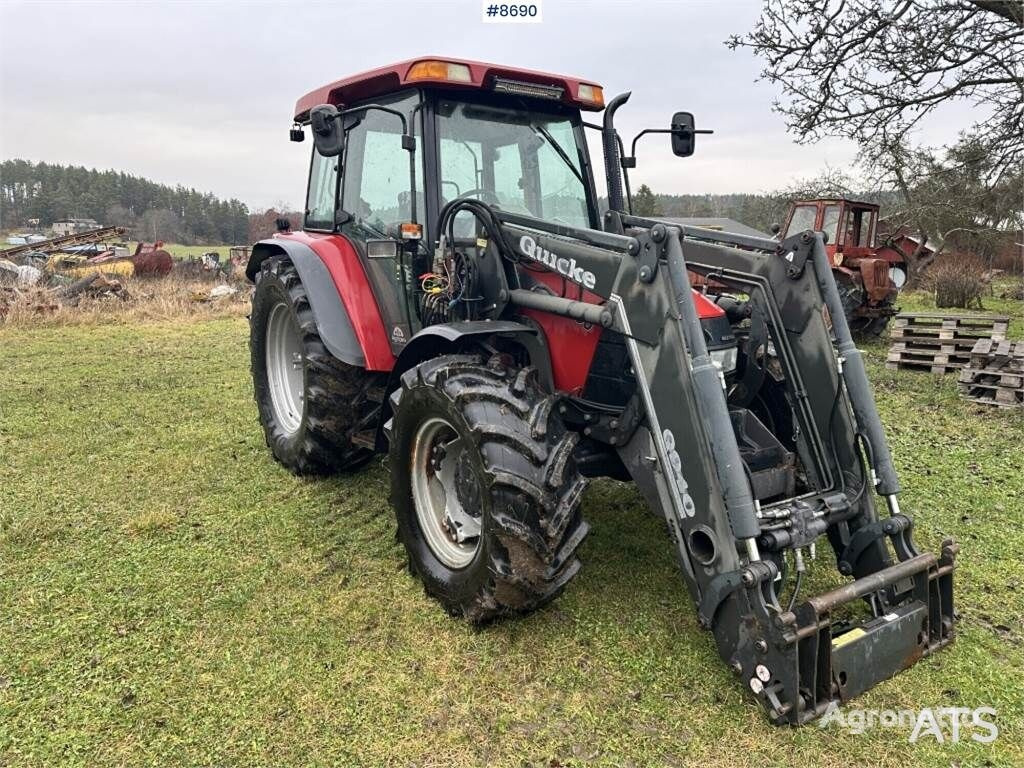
x=310, y=403
x=486, y=444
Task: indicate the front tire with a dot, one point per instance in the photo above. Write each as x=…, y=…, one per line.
x=310, y=403
x=485, y=487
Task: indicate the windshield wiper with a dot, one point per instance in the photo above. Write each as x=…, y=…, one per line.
x=558, y=148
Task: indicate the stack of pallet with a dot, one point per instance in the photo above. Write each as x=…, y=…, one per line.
x=995, y=375
x=940, y=343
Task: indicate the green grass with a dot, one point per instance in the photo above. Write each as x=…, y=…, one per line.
x=170, y=596
x=179, y=251
x=923, y=301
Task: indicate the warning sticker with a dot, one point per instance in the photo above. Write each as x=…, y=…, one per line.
x=848, y=637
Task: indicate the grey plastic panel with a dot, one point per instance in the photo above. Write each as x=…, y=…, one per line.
x=332, y=320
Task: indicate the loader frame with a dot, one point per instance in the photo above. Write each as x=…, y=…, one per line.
x=686, y=461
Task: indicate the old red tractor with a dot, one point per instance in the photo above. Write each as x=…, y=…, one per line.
x=869, y=276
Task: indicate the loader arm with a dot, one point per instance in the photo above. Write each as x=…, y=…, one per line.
x=686, y=460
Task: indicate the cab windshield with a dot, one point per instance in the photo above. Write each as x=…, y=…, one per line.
x=519, y=161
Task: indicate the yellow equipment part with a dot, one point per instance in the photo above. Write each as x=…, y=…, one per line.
x=123, y=268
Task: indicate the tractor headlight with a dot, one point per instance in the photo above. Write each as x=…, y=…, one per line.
x=724, y=359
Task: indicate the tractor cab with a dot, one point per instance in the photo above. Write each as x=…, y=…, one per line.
x=510, y=138
x=396, y=149
x=849, y=226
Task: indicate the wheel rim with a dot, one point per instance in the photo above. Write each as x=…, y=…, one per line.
x=451, y=532
x=285, y=375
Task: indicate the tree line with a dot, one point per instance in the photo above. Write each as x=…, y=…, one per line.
x=49, y=193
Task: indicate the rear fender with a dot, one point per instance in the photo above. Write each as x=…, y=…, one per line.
x=347, y=317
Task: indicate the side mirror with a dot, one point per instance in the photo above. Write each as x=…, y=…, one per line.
x=328, y=135
x=683, y=134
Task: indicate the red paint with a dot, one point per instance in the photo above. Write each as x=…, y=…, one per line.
x=342, y=261
x=376, y=82
x=571, y=344
x=705, y=307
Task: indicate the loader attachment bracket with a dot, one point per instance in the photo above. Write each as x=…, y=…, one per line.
x=896, y=527
x=821, y=659
x=796, y=250
x=615, y=428
x=724, y=584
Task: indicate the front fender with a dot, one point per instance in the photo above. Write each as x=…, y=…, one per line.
x=440, y=339
x=445, y=338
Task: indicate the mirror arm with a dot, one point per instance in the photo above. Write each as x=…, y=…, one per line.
x=675, y=131
x=408, y=144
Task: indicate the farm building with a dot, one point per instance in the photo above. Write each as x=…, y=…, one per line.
x=717, y=223
x=74, y=226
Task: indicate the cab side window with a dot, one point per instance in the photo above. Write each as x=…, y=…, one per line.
x=375, y=188
x=322, y=193
x=803, y=219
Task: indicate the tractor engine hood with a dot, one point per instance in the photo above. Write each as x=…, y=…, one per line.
x=718, y=333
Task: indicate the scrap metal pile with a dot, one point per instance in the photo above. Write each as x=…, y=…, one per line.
x=60, y=271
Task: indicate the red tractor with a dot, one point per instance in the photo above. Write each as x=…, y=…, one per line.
x=457, y=301
x=869, y=277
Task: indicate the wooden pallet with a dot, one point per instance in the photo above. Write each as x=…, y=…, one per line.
x=1004, y=397
x=995, y=375
x=949, y=327
x=914, y=343
x=990, y=353
x=991, y=376
x=940, y=343
x=934, y=360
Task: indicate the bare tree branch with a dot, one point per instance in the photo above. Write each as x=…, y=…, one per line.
x=873, y=70
x=1012, y=10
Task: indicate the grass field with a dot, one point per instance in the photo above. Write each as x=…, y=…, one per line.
x=169, y=596
x=179, y=251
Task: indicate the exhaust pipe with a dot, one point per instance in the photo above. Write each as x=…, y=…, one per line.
x=612, y=171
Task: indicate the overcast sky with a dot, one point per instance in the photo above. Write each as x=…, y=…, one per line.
x=201, y=93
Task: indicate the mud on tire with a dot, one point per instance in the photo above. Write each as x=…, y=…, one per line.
x=334, y=398
x=516, y=472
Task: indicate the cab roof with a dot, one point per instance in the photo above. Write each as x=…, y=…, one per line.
x=376, y=82
x=837, y=200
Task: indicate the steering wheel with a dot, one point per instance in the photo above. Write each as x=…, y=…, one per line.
x=481, y=194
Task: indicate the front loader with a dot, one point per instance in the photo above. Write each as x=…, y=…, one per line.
x=456, y=300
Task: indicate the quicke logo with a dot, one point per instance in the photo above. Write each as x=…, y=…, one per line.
x=563, y=266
